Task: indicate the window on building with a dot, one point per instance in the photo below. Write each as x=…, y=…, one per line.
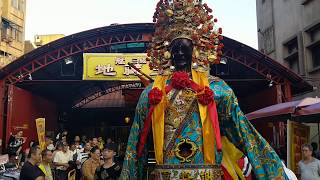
x=313, y=46
x=21, y=5
x=16, y=33
x=291, y=46
x=4, y=28
x=293, y=64
x=11, y=31
x=18, y=4
x=315, y=34
x=19, y=36
x=15, y=4
x=316, y=55
x=268, y=40
x=291, y=54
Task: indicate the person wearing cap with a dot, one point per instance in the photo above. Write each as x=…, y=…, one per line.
x=110, y=170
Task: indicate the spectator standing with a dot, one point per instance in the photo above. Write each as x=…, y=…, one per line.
x=109, y=141
x=49, y=144
x=59, y=147
x=74, y=151
x=82, y=157
x=64, y=139
x=95, y=142
x=26, y=151
x=83, y=140
x=30, y=169
x=110, y=170
x=77, y=142
x=45, y=165
x=61, y=161
x=15, y=144
x=89, y=166
x=309, y=167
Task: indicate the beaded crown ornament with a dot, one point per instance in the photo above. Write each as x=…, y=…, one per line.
x=189, y=19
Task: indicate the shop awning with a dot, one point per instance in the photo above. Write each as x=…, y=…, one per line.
x=292, y=107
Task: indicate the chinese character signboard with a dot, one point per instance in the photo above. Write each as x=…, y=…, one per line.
x=104, y=66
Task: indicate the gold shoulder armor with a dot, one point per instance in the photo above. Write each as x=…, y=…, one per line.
x=214, y=78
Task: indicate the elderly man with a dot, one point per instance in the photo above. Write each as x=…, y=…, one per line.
x=309, y=167
x=61, y=161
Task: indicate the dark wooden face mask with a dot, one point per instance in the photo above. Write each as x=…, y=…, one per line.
x=181, y=50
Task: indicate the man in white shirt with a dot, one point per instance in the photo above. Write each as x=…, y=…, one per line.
x=61, y=161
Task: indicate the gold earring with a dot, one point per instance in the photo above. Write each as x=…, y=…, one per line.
x=196, y=53
x=167, y=55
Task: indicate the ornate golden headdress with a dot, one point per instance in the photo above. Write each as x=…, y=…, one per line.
x=188, y=19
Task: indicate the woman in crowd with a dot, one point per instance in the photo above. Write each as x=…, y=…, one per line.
x=77, y=142
x=89, y=166
x=15, y=143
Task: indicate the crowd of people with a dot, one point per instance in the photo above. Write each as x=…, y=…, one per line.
x=86, y=159
x=94, y=159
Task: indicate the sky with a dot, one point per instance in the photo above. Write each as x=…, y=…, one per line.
x=236, y=17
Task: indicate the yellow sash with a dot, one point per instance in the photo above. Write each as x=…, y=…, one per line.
x=230, y=158
x=201, y=78
x=158, y=121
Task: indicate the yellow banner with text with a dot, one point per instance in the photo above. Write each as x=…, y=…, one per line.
x=114, y=66
x=298, y=134
x=41, y=131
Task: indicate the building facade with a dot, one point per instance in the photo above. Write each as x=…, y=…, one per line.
x=40, y=40
x=289, y=32
x=13, y=16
